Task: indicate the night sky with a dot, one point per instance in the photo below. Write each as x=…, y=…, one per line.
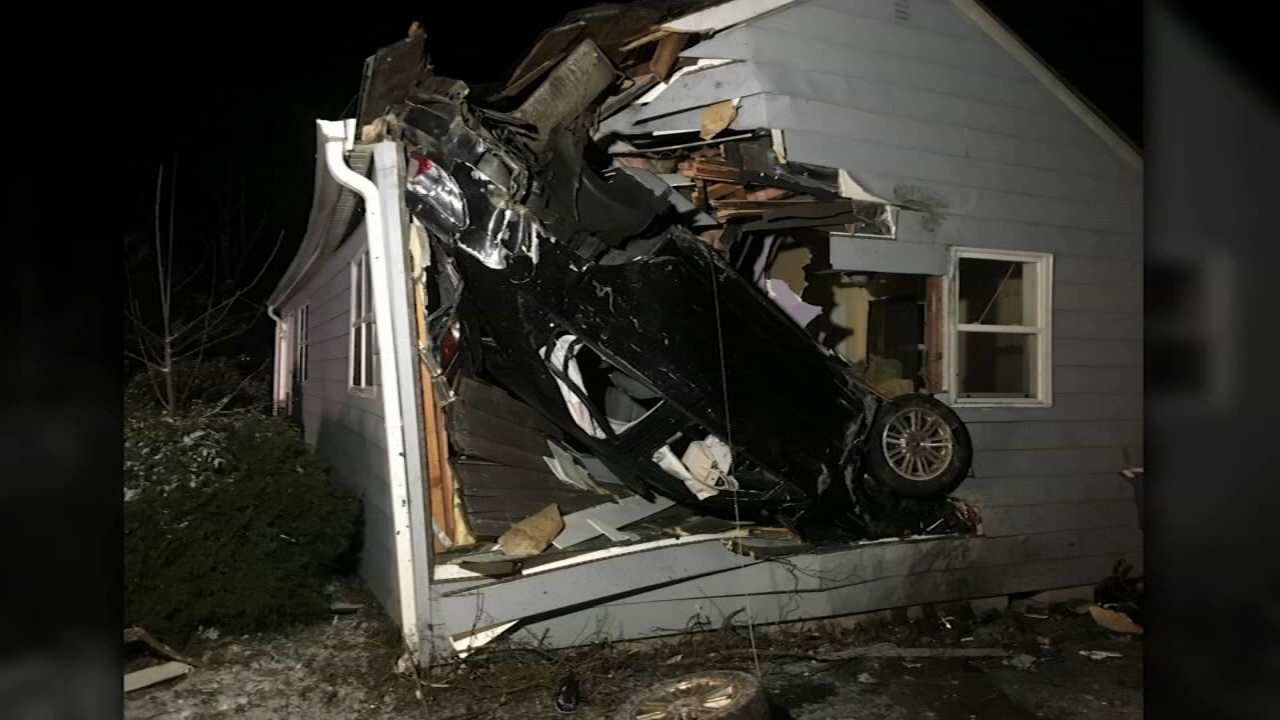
x=232, y=95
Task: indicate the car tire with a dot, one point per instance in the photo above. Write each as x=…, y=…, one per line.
x=919, y=447
x=711, y=695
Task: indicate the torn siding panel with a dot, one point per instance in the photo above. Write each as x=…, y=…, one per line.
x=702, y=88
x=750, y=116
x=669, y=617
x=552, y=590
x=890, y=256
x=634, y=618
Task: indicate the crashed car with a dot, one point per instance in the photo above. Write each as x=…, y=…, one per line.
x=576, y=286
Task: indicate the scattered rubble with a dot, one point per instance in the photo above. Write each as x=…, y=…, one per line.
x=344, y=669
x=1100, y=654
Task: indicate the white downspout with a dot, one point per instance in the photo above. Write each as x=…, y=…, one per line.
x=376, y=231
x=275, y=360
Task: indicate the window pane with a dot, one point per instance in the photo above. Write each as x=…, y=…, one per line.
x=996, y=365
x=370, y=363
x=367, y=284
x=357, y=290
x=997, y=292
x=357, y=343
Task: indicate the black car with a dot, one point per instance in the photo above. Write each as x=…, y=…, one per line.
x=583, y=292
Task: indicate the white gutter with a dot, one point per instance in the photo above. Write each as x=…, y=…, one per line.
x=381, y=244
x=338, y=138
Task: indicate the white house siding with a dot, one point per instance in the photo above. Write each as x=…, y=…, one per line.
x=919, y=104
x=346, y=429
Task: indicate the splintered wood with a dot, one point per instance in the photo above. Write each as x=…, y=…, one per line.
x=711, y=169
x=533, y=534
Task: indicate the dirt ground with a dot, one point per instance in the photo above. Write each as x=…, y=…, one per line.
x=347, y=669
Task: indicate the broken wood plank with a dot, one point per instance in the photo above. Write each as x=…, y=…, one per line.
x=717, y=118
x=137, y=634
x=763, y=205
x=708, y=169
x=343, y=608
x=653, y=36
x=533, y=534
x=717, y=191
x=666, y=54
x=155, y=674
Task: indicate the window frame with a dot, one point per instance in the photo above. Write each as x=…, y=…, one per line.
x=301, y=342
x=364, y=358
x=1042, y=329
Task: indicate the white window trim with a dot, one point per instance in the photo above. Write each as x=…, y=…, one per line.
x=301, y=342
x=1043, y=327
x=367, y=319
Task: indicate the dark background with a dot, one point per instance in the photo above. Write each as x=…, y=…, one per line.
x=232, y=96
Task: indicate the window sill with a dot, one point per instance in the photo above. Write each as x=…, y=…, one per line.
x=364, y=392
x=987, y=403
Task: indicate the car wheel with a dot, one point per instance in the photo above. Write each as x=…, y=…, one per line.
x=712, y=695
x=919, y=447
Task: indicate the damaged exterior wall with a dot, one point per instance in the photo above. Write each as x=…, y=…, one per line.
x=922, y=107
x=345, y=428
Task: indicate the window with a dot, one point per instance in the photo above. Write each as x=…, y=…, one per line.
x=364, y=342
x=1000, y=328
x=301, y=322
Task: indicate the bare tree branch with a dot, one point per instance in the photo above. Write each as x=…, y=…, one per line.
x=230, y=395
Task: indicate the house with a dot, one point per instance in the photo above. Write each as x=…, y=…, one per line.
x=987, y=251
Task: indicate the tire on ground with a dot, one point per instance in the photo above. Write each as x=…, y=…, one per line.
x=747, y=702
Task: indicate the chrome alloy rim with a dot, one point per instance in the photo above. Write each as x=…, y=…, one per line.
x=918, y=444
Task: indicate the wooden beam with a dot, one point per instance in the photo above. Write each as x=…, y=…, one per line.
x=666, y=54
x=934, y=329
x=439, y=481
